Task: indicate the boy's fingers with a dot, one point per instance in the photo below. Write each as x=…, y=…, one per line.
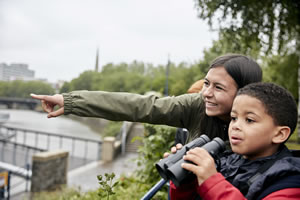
x=173, y=149
x=166, y=154
x=190, y=167
x=178, y=146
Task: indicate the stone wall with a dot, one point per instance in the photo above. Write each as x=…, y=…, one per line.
x=49, y=170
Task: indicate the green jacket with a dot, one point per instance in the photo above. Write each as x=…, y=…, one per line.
x=186, y=111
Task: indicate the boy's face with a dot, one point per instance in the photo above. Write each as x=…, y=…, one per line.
x=251, y=129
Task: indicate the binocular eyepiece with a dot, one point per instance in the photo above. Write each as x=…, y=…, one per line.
x=170, y=168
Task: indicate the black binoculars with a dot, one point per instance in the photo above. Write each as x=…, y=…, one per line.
x=170, y=168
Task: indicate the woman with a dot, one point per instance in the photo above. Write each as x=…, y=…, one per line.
x=206, y=112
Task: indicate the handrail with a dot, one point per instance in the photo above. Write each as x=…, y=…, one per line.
x=154, y=189
x=50, y=137
x=47, y=133
x=19, y=171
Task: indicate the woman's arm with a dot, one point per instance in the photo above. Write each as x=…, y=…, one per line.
x=117, y=106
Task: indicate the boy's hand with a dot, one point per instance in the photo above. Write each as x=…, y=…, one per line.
x=49, y=102
x=204, y=165
x=173, y=150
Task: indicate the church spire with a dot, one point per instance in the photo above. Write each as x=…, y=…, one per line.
x=97, y=61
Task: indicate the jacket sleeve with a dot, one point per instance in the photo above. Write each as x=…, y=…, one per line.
x=216, y=187
x=288, y=193
x=184, y=191
x=118, y=106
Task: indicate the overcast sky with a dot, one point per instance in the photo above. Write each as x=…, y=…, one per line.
x=59, y=38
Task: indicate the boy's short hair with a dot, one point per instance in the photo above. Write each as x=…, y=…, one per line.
x=279, y=103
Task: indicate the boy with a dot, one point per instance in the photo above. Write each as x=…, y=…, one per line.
x=263, y=117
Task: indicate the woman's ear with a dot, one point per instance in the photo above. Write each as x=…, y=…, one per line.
x=281, y=135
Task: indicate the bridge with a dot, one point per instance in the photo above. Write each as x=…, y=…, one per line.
x=14, y=102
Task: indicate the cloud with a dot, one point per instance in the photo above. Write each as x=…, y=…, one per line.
x=58, y=38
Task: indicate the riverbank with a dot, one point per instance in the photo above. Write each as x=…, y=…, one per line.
x=96, y=124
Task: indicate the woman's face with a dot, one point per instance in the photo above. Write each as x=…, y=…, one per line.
x=219, y=90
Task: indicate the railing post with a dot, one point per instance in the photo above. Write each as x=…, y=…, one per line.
x=24, y=137
x=36, y=139
x=108, y=149
x=48, y=142
x=99, y=150
x=124, y=137
x=85, y=149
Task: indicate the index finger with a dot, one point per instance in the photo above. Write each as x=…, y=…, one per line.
x=39, y=97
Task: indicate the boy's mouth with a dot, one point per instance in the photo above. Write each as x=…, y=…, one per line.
x=235, y=140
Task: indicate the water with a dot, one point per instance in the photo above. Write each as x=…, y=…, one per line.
x=38, y=121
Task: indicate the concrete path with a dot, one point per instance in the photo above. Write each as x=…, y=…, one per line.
x=86, y=177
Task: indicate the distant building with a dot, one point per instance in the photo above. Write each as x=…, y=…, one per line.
x=15, y=71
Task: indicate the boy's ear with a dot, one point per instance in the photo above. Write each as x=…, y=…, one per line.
x=281, y=135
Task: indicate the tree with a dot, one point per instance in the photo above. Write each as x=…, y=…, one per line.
x=272, y=26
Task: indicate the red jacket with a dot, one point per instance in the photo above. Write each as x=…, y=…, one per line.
x=216, y=188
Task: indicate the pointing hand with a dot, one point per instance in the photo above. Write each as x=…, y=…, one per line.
x=49, y=102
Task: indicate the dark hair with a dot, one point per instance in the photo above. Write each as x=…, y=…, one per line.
x=279, y=103
x=241, y=68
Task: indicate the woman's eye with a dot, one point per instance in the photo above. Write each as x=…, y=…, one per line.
x=219, y=88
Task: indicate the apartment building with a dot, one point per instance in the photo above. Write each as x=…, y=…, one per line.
x=15, y=71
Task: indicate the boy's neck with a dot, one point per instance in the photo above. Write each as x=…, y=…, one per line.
x=273, y=150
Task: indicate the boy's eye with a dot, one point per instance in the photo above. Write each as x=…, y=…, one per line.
x=233, y=118
x=249, y=120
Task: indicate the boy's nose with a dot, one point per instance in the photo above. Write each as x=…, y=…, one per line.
x=235, y=125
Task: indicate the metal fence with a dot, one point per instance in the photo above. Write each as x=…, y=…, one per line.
x=88, y=149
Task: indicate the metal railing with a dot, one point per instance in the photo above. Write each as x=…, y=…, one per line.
x=77, y=147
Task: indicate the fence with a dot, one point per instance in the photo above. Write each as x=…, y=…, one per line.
x=87, y=149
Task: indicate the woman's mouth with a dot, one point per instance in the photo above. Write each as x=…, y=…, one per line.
x=210, y=104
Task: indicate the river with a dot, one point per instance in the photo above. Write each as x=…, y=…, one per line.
x=38, y=121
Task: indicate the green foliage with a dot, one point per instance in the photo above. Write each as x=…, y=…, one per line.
x=136, y=77
x=255, y=23
x=23, y=89
x=64, y=193
x=112, y=129
x=157, y=140
x=283, y=71
x=84, y=81
x=106, y=185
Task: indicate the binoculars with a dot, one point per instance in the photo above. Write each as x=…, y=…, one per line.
x=170, y=168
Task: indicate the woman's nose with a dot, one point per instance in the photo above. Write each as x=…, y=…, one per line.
x=207, y=91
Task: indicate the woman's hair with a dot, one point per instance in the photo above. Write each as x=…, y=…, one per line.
x=242, y=69
x=278, y=102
